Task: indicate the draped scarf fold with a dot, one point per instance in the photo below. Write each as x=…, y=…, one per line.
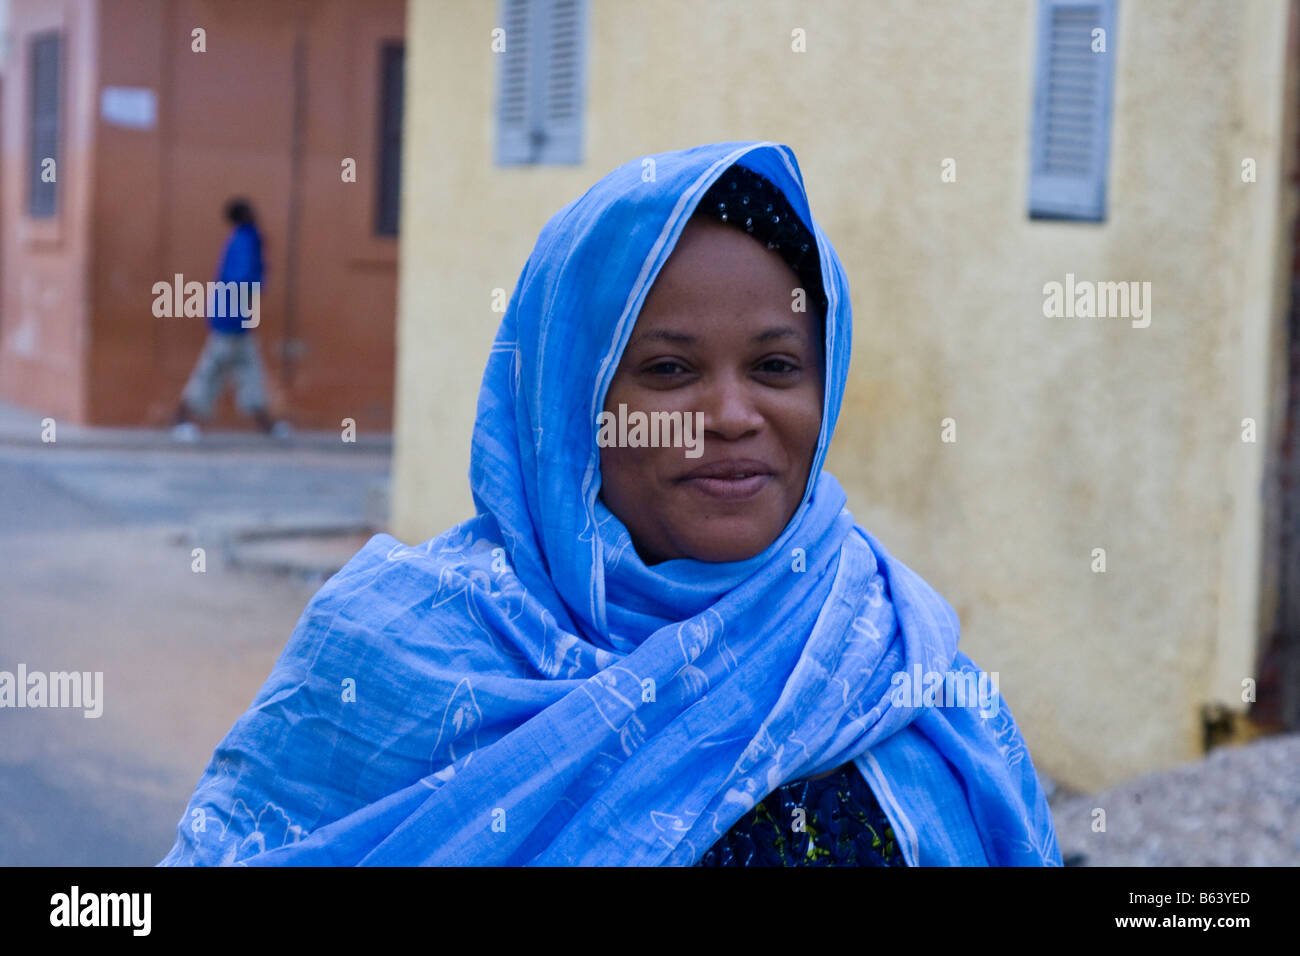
x=523, y=689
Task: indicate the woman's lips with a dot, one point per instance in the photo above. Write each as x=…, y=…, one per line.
x=732, y=489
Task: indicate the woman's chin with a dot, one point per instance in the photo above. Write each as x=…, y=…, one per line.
x=739, y=548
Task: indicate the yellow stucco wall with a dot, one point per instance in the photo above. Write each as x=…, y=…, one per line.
x=1072, y=434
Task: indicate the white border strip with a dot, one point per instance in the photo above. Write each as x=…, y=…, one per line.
x=889, y=802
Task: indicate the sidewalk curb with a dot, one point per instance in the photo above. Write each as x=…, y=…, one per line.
x=208, y=443
x=230, y=542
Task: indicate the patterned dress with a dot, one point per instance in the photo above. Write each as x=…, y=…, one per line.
x=842, y=825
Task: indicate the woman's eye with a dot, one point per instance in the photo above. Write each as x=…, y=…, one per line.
x=777, y=365
x=665, y=368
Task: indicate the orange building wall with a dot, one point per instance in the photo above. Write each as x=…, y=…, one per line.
x=225, y=126
x=44, y=345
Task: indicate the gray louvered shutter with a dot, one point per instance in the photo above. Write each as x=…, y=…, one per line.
x=562, y=100
x=512, y=83
x=43, y=136
x=1070, y=142
x=540, y=82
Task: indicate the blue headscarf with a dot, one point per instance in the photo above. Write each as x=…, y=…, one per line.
x=523, y=689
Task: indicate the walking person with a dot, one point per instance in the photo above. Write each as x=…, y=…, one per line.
x=231, y=347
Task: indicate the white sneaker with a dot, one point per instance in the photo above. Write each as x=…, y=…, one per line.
x=281, y=430
x=185, y=432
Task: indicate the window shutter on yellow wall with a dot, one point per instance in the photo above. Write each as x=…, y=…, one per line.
x=1070, y=139
x=540, y=82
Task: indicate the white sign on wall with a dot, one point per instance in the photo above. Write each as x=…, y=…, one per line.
x=135, y=107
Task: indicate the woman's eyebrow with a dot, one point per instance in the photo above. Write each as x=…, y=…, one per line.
x=781, y=332
x=685, y=338
x=665, y=335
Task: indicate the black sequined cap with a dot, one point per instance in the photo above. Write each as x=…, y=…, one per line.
x=750, y=202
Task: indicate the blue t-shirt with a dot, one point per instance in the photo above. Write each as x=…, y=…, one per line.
x=240, y=262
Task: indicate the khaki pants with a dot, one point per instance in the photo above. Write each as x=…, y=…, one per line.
x=226, y=354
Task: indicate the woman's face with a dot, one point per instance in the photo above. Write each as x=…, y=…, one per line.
x=717, y=334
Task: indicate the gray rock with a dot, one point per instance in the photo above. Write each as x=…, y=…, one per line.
x=1239, y=806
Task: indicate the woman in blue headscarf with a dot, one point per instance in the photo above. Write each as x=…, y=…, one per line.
x=662, y=639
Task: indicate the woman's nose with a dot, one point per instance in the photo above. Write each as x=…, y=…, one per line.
x=730, y=409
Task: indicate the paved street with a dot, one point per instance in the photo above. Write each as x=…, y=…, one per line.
x=96, y=537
